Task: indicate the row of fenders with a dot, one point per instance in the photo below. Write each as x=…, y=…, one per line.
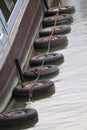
x=51, y=36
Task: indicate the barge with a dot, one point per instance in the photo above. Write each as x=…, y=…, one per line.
x=19, y=22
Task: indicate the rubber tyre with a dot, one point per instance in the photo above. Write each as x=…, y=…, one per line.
x=61, y=19
x=9, y=119
x=31, y=75
x=59, y=30
x=53, y=11
x=46, y=87
x=47, y=59
x=42, y=43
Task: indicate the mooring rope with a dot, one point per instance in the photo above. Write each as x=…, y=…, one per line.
x=48, y=50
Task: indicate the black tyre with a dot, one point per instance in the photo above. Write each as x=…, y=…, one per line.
x=18, y=117
x=41, y=70
x=61, y=19
x=58, y=30
x=36, y=88
x=62, y=10
x=47, y=58
x=55, y=41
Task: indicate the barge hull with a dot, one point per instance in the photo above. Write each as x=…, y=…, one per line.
x=19, y=49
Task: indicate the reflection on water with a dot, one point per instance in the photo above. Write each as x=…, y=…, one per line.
x=67, y=108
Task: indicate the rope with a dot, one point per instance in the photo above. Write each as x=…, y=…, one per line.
x=48, y=50
x=56, y=15
x=38, y=77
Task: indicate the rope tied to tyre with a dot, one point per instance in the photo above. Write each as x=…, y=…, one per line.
x=56, y=16
x=38, y=75
x=48, y=50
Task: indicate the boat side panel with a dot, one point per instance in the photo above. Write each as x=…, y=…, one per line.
x=20, y=47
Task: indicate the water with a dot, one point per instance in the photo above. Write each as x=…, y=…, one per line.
x=67, y=108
